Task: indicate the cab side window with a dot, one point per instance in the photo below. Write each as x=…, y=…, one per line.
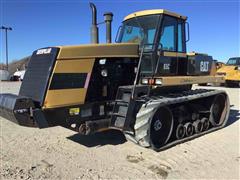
x=181, y=37
x=168, y=37
x=173, y=35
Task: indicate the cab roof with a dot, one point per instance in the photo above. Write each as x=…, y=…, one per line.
x=152, y=12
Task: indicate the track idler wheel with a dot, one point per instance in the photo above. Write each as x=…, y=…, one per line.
x=161, y=127
x=218, y=110
x=189, y=129
x=198, y=126
x=180, y=131
x=205, y=123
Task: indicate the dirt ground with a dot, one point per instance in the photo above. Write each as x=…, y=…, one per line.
x=58, y=153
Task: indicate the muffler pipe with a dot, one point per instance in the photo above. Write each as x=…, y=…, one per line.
x=94, y=27
x=108, y=17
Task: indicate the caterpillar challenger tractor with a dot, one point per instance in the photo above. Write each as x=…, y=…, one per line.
x=140, y=85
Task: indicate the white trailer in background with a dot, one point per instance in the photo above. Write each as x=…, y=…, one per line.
x=18, y=75
x=4, y=75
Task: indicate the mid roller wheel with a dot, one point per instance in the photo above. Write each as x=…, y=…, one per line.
x=180, y=131
x=189, y=129
x=205, y=123
x=198, y=126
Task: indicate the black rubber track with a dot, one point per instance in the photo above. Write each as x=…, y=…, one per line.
x=141, y=135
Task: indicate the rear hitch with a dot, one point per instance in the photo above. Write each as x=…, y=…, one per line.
x=91, y=127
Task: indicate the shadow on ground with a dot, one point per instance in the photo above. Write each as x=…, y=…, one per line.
x=233, y=117
x=112, y=137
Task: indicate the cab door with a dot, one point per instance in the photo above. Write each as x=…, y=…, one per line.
x=170, y=49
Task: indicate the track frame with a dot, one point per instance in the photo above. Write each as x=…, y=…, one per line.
x=144, y=115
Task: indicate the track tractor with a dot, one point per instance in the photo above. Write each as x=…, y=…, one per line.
x=140, y=85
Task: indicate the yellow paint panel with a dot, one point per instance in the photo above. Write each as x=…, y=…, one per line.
x=213, y=69
x=230, y=73
x=174, y=54
x=234, y=77
x=152, y=12
x=99, y=51
x=196, y=53
x=64, y=97
x=74, y=66
x=182, y=80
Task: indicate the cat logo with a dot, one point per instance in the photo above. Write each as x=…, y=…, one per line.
x=204, y=66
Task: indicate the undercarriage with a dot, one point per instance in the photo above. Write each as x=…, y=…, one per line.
x=166, y=120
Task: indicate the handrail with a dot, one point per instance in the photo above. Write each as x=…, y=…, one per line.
x=137, y=73
x=138, y=69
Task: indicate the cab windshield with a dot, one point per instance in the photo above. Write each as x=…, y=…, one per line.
x=233, y=61
x=139, y=30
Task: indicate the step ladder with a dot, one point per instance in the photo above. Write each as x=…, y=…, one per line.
x=124, y=107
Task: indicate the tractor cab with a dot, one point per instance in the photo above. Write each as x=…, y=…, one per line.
x=161, y=38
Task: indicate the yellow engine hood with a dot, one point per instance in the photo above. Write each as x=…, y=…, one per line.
x=99, y=51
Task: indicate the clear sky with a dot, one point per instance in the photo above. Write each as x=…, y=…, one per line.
x=214, y=24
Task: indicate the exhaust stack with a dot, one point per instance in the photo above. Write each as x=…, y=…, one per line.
x=94, y=28
x=108, y=16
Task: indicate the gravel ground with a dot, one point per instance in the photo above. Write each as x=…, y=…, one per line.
x=58, y=153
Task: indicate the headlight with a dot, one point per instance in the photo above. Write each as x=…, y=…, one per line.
x=158, y=81
x=144, y=81
x=239, y=68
